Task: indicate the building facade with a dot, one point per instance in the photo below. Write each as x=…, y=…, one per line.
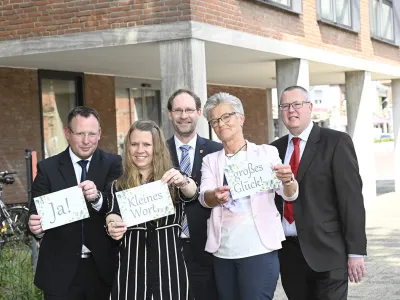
x=126, y=57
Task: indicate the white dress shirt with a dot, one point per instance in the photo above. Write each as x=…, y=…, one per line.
x=290, y=229
x=78, y=172
x=192, y=144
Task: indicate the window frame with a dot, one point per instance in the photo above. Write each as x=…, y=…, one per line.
x=354, y=16
x=396, y=23
x=296, y=6
x=58, y=75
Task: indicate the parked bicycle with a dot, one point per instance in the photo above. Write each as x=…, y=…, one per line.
x=13, y=219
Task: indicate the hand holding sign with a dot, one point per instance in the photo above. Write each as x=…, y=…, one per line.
x=115, y=227
x=248, y=177
x=34, y=224
x=283, y=172
x=62, y=207
x=145, y=203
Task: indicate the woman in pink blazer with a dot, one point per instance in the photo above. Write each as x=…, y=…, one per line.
x=243, y=234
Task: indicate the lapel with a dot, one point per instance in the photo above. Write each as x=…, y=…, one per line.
x=67, y=169
x=95, y=166
x=282, y=147
x=199, y=153
x=172, y=152
x=309, y=152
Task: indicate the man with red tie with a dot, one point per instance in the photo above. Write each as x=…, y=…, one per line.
x=325, y=228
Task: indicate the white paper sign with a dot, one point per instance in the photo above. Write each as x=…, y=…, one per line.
x=144, y=203
x=249, y=177
x=62, y=207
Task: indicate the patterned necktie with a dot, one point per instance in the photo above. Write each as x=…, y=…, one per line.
x=83, y=164
x=294, y=163
x=186, y=168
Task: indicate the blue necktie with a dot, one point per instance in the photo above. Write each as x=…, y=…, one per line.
x=83, y=164
x=186, y=168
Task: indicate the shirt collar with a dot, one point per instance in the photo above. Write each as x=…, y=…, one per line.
x=75, y=158
x=304, y=135
x=191, y=143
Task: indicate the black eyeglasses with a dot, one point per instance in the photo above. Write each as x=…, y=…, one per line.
x=224, y=118
x=295, y=105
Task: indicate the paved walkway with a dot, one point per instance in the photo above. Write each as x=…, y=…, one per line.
x=383, y=261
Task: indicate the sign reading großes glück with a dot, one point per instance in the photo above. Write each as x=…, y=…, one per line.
x=62, y=207
x=145, y=203
x=249, y=177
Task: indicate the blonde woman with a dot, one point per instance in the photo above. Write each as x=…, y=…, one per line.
x=150, y=263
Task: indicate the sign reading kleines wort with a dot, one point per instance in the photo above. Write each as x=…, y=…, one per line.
x=145, y=203
x=249, y=177
x=62, y=207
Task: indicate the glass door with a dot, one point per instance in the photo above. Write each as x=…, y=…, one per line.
x=59, y=93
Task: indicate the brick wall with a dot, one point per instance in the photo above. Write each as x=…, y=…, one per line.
x=99, y=93
x=255, y=107
x=31, y=18
x=20, y=121
x=20, y=19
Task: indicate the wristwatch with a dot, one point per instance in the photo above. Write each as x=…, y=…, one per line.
x=94, y=202
x=289, y=182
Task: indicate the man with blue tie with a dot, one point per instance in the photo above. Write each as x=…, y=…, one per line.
x=77, y=261
x=187, y=150
x=325, y=227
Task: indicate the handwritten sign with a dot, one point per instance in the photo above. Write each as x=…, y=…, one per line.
x=145, y=203
x=249, y=177
x=62, y=207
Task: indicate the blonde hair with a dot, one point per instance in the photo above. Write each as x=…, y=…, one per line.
x=161, y=162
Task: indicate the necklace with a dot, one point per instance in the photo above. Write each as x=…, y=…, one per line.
x=230, y=156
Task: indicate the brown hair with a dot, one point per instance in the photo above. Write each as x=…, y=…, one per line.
x=161, y=157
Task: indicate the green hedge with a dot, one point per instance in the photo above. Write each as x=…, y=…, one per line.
x=16, y=273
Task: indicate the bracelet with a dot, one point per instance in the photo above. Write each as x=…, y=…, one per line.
x=97, y=199
x=289, y=182
x=186, y=182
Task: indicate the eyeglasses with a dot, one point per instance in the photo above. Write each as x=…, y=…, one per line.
x=180, y=111
x=84, y=134
x=295, y=105
x=224, y=118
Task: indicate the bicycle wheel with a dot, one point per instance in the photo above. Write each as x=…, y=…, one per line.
x=20, y=216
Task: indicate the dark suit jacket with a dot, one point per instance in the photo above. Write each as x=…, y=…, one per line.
x=61, y=246
x=329, y=212
x=197, y=215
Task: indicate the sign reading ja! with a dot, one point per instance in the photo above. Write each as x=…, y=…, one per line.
x=62, y=207
x=249, y=177
x=145, y=203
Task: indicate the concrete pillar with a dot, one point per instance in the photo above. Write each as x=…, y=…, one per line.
x=270, y=117
x=183, y=65
x=396, y=131
x=359, y=101
x=290, y=72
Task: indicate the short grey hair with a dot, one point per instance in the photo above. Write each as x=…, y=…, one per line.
x=296, y=87
x=222, y=98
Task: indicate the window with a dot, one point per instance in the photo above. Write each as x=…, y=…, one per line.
x=60, y=92
x=382, y=20
x=342, y=13
x=337, y=11
x=134, y=104
x=291, y=5
x=283, y=2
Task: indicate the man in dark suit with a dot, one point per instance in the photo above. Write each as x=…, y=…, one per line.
x=77, y=261
x=187, y=151
x=325, y=226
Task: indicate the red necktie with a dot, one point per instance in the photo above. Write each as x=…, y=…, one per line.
x=294, y=163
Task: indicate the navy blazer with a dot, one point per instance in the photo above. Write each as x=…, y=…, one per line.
x=197, y=215
x=61, y=247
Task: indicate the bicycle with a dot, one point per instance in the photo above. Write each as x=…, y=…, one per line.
x=13, y=219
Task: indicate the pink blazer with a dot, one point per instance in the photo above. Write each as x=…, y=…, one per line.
x=266, y=217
